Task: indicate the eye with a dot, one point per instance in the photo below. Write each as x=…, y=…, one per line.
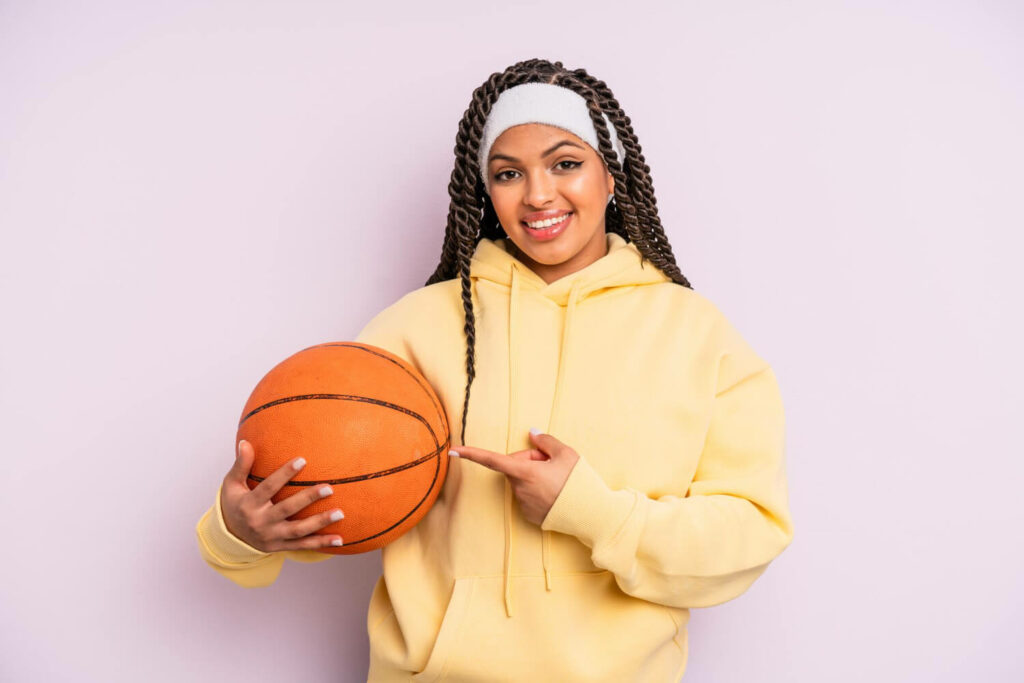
x=501, y=177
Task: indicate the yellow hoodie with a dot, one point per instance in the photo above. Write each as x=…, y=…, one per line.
x=678, y=500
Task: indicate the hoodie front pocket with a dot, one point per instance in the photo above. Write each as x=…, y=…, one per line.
x=584, y=629
x=451, y=625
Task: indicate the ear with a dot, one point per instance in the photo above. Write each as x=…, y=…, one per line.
x=611, y=183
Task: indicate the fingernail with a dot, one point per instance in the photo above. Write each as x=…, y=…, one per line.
x=239, y=446
x=299, y=464
x=336, y=541
x=336, y=515
x=534, y=431
x=453, y=453
x=325, y=491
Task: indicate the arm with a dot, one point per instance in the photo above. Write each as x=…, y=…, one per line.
x=235, y=559
x=710, y=545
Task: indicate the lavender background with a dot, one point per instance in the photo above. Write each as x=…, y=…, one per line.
x=191, y=191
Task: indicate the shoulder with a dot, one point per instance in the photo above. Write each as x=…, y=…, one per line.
x=695, y=312
x=719, y=337
x=440, y=298
x=422, y=310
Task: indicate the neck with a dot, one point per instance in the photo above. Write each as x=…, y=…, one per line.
x=596, y=249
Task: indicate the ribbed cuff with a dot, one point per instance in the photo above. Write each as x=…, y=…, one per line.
x=587, y=508
x=221, y=543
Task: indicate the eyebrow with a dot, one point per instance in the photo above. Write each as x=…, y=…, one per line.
x=544, y=154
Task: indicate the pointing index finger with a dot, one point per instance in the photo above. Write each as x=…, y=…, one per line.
x=489, y=459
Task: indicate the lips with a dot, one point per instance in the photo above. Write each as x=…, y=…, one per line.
x=552, y=231
x=544, y=215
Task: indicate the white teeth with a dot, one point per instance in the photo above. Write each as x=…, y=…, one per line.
x=537, y=225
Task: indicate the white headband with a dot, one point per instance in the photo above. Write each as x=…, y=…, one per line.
x=546, y=103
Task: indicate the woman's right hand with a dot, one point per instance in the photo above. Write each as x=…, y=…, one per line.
x=251, y=515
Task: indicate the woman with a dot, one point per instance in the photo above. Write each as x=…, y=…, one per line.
x=621, y=451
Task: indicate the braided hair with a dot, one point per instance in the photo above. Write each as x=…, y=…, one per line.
x=633, y=214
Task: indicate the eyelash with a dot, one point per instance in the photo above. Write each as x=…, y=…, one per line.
x=575, y=165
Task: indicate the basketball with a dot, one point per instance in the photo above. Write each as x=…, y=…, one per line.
x=367, y=423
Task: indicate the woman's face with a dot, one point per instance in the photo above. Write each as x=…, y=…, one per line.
x=539, y=172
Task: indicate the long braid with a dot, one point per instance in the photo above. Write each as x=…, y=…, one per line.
x=649, y=234
x=471, y=217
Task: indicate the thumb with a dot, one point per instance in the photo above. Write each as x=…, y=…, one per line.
x=546, y=443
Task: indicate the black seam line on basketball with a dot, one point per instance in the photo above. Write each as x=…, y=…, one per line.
x=437, y=470
x=442, y=418
x=342, y=397
x=361, y=477
x=426, y=495
x=347, y=397
x=401, y=367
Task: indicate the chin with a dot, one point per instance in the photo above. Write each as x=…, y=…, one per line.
x=549, y=253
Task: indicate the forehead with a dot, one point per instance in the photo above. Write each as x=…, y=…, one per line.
x=533, y=138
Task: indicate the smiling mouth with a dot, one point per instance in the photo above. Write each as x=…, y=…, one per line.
x=547, y=224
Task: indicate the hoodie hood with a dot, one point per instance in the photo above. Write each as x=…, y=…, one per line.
x=622, y=266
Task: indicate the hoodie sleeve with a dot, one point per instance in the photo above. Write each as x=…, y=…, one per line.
x=710, y=545
x=238, y=561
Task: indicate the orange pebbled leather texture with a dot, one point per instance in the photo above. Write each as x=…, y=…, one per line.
x=367, y=423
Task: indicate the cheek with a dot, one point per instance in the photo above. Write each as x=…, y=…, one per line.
x=504, y=206
x=589, y=189
x=584, y=198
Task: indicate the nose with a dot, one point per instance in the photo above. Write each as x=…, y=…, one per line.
x=540, y=189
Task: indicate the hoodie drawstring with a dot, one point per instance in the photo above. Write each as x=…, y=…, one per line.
x=513, y=401
x=513, y=374
x=556, y=405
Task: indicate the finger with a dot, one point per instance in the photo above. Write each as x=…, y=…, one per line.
x=244, y=457
x=298, y=501
x=547, y=443
x=478, y=455
x=530, y=454
x=495, y=461
x=269, y=487
x=311, y=542
x=304, y=527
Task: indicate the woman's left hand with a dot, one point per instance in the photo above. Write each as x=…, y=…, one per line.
x=537, y=475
